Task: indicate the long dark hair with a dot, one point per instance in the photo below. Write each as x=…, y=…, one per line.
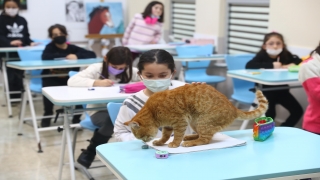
x=62, y=28
x=148, y=10
x=285, y=55
x=16, y=1
x=158, y=56
x=317, y=50
x=117, y=56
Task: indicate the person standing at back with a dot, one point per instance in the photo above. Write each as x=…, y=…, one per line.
x=146, y=27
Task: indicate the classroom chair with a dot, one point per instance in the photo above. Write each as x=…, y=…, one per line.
x=43, y=42
x=113, y=109
x=197, y=71
x=241, y=93
x=31, y=55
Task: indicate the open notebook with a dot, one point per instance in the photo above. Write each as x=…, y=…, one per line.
x=218, y=141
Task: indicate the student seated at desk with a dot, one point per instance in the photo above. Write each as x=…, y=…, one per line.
x=115, y=68
x=58, y=49
x=156, y=69
x=13, y=33
x=274, y=55
x=146, y=27
x=309, y=76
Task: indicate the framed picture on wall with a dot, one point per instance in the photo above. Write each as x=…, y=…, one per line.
x=105, y=17
x=23, y=4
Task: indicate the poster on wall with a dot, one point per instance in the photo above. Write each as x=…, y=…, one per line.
x=75, y=11
x=105, y=17
x=23, y=4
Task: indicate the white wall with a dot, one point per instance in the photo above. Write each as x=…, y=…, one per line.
x=41, y=14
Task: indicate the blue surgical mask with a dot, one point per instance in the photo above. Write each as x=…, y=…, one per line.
x=157, y=85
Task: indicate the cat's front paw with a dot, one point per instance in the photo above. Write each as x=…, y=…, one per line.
x=173, y=145
x=157, y=143
x=187, y=144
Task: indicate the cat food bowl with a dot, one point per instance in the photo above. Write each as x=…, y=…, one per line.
x=263, y=128
x=162, y=154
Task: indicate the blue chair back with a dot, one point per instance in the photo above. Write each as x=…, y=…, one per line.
x=235, y=62
x=72, y=73
x=29, y=55
x=193, y=51
x=113, y=110
x=43, y=42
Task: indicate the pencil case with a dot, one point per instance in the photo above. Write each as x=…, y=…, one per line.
x=132, y=88
x=263, y=128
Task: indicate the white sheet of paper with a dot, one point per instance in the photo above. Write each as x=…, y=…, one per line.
x=218, y=141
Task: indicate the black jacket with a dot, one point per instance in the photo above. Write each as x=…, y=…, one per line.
x=52, y=52
x=13, y=28
x=262, y=60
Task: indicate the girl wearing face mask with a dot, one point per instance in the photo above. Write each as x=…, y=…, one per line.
x=116, y=68
x=146, y=27
x=274, y=55
x=156, y=69
x=60, y=49
x=13, y=33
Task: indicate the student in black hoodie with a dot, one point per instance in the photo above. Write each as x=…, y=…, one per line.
x=58, y=49
x=274, y=55
x=13, y=33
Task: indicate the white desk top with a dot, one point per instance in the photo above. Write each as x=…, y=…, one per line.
x=69, y=96
x=147, y=47
x=52, y=64
x=213, y=57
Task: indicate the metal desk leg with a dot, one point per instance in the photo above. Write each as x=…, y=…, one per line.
x=63, y=149
x=22, y=112
x=6, y=85
x=66, y=128
x=33, y=115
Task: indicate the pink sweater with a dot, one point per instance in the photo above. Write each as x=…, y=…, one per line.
x=309, y=76
x=139, y=32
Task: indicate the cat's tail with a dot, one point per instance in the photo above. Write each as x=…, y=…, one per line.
x=262, y=108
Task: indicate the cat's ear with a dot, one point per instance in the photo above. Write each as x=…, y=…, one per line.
x=133, y=124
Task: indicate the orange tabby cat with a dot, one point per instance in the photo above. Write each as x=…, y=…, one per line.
x=201, y=106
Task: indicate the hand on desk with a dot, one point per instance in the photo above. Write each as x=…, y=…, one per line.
x=277, y=65
x=198, y=83
x=72, y=57
x=35, y=43
x=16, y=43
x=103, y=83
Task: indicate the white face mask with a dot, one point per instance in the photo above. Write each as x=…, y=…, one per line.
x=274, y=52
x=11, y=11
x=157, y=85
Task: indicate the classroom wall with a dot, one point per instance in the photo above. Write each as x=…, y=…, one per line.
x=210, y=21
x=43, y=13
x=298, y=22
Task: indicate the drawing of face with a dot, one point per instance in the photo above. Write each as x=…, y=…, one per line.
x=73, y=7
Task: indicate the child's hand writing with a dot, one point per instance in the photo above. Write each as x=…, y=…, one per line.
x=277, y=65
x=103, y=83
x=16, y=43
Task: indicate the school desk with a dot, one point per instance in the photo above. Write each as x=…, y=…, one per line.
x=266, y=77
x=290, y=153
x=70, y=96
x=27, y=96
x=5, y=59
x=147, y=47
